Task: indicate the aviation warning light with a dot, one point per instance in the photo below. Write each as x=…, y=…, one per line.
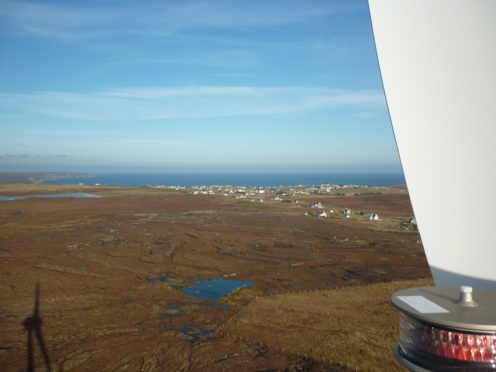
x=446, y=329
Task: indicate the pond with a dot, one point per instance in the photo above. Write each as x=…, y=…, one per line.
x=209, y=290
x=214, y=289
x=49, y=196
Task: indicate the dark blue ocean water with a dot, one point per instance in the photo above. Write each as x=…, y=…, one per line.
x=235, y=179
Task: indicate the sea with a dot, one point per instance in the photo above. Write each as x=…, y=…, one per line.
x=235, y=179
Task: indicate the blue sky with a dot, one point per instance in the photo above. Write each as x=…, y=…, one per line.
x=191, y=85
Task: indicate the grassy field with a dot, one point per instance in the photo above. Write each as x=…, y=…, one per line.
x=110, y=269
x=353, y=327
x=256, y=205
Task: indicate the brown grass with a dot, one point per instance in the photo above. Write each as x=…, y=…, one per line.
x=92, y=256
x=355, y=327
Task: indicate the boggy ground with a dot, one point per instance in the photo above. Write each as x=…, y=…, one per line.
x=110, y=272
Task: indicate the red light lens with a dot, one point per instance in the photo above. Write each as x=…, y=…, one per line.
x=417, y=337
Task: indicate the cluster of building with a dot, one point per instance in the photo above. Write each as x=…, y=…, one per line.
x=346, y=212
x=285, y=194
x=279, y=191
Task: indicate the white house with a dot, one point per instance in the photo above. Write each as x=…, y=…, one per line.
x=347, y=211
x=373, y=216
x=322, y=214
x=316, y=205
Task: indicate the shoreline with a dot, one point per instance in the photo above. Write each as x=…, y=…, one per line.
x=260, y=180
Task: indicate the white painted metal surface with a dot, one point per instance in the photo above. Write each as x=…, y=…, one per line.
x=438, y=65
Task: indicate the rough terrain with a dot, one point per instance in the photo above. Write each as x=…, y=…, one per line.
x=111, y=272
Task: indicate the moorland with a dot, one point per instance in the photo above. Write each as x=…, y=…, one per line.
x=204, y=279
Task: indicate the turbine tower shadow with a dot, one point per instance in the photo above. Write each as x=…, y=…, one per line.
x=33, y=326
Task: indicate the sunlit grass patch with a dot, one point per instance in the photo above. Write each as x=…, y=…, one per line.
x=356, y=327
x=206, y=217
x=256, y=205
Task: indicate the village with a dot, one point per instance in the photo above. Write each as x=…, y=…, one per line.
x=299, y=195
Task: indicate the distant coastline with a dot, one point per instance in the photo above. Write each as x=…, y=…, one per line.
x=39, y=177
x=234, y=179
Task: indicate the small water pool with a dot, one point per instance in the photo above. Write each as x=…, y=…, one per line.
x=154, y=280
x=194, y=334
x=214, y=289
x=69, y=195
x=209, y=290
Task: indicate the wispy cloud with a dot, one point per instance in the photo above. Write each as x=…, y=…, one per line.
x=153, y=142
x=14, y=156
x=366, y=114
x=188, y=102
x=234, y=59
x=69, y=20
x=47, y=20
x=10, y=157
